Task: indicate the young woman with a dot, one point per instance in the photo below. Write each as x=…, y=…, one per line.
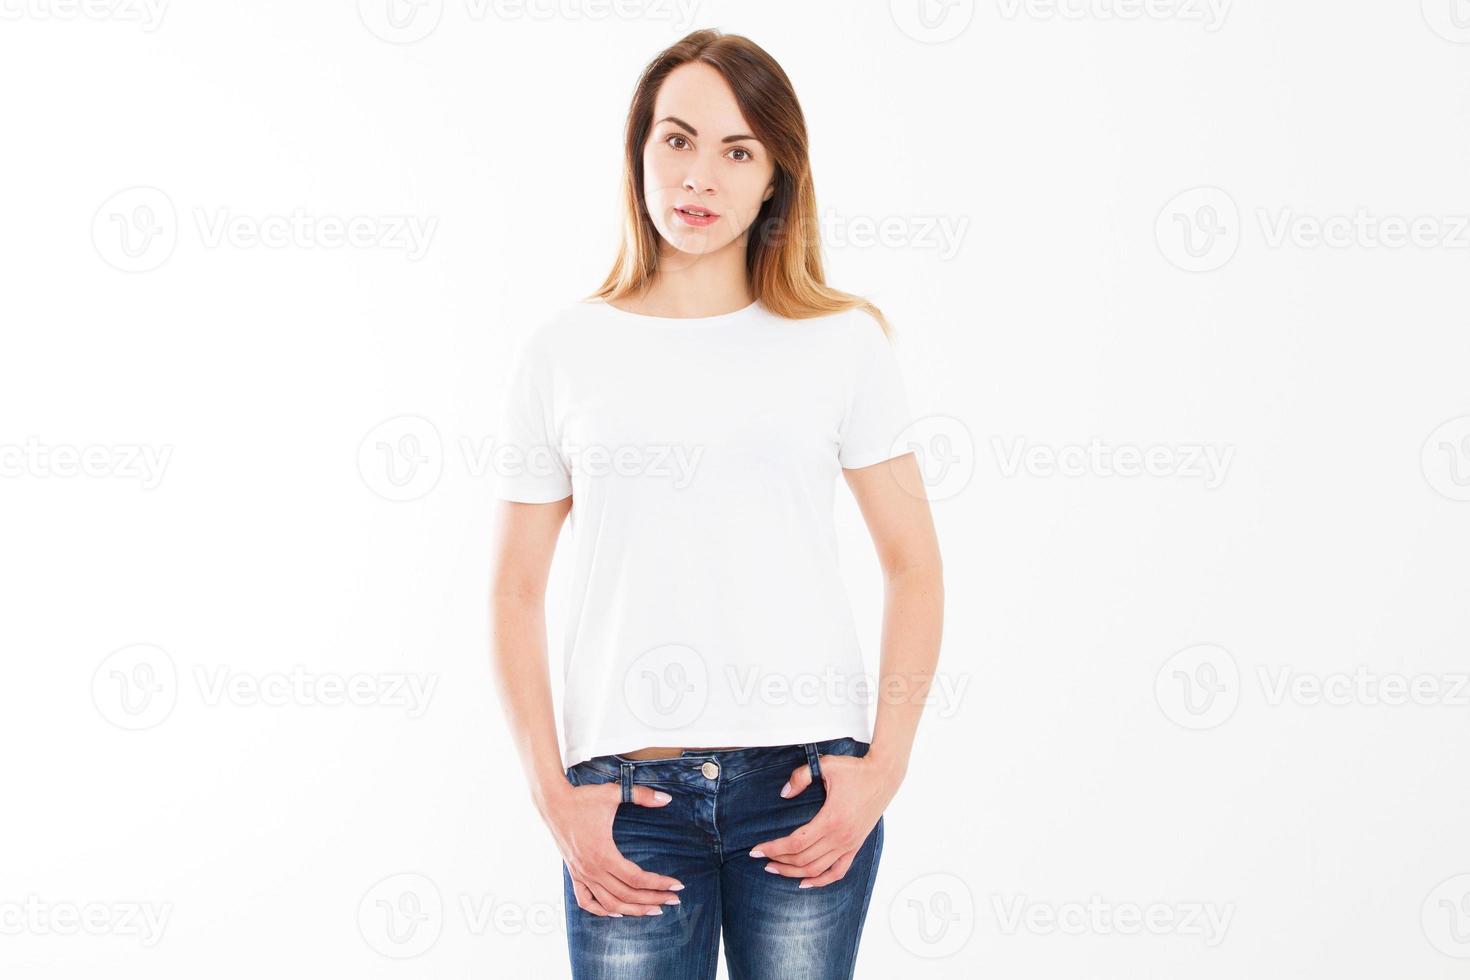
x=719, y=774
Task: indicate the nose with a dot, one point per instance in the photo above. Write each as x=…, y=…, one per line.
x=697, y=183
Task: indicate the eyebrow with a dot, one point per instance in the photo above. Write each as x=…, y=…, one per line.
x=694, y=132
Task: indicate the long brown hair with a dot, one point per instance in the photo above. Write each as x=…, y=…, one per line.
x=783, y=257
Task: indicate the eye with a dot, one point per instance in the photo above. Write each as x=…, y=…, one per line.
x=670, y=139
x=741, y=149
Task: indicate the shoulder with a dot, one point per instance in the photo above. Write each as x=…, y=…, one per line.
x=856, y=322
x=560, y=326
x=858, y=332
x=852, y=324
x=850, y=339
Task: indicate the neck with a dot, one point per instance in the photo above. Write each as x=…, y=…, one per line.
x=696, y=285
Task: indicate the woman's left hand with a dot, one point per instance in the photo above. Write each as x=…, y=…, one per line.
x=859, y=789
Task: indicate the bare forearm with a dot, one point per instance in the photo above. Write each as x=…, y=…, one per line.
x=913, y=620
x=519, y=661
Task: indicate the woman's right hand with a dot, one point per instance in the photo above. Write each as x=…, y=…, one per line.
x=606, y=883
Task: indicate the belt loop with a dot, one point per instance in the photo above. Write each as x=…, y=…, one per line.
x=811, y=760
x=627, y=779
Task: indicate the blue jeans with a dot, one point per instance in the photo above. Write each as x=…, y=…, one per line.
x=773, y=929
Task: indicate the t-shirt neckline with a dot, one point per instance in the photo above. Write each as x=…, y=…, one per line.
x=681, y=321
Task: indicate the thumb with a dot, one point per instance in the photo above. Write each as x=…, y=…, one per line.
x=648, y=796
x=799, y=780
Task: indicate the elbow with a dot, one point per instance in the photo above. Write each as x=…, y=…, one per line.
x=927, y=569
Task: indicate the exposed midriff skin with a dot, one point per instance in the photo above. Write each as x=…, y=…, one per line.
x=665, y=752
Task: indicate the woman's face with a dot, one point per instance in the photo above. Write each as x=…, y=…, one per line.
x=702, y=155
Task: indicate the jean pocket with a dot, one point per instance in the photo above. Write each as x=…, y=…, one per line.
x=590, y=774
x=843, y=746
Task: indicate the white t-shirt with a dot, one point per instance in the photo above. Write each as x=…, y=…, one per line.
x=706, y=603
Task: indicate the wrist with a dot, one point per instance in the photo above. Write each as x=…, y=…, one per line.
x=549, y=791
x=891, y=766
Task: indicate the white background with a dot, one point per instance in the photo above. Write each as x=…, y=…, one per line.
x=1057, y=279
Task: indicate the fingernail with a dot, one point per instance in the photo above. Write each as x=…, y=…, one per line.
x=755, y=853
x=615, y=915
x=786, y=790
x=656, y=911
x=661, y=796
x=772, y=869
x=676, y=888
x=804, y=884
x=672, y=901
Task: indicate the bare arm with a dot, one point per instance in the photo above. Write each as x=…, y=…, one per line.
x=525, y=540
x=891, y=497
x=894, y=506
x=580, y=818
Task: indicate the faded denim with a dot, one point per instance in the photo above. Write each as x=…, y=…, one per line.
x=772, y=929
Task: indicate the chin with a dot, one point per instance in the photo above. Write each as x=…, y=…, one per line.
x=688, y=244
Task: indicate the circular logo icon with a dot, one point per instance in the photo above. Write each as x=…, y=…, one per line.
x=136, y=687
x=1445, y=459
x=401, y=458
x=1199, y=230
x=667, y=687
x=1198, y=687
x=1450, y=19
x=1445, y=917
x=401, y=916
x=932, y=21
x=933, y=916
x=945, y=451
x=135, y=230
x=400, y=21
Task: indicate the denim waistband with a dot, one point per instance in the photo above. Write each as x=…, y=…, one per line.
x=732, y=763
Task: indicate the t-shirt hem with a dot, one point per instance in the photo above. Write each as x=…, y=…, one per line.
x=744, y=738
x=856, y=461
x=530, y=495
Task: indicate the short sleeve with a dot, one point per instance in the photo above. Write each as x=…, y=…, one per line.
x=529, y=466
x=879, y=410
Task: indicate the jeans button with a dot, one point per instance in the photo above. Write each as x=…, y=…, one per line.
x=710, y=770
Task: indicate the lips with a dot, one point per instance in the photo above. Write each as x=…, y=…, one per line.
x=696, y=217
